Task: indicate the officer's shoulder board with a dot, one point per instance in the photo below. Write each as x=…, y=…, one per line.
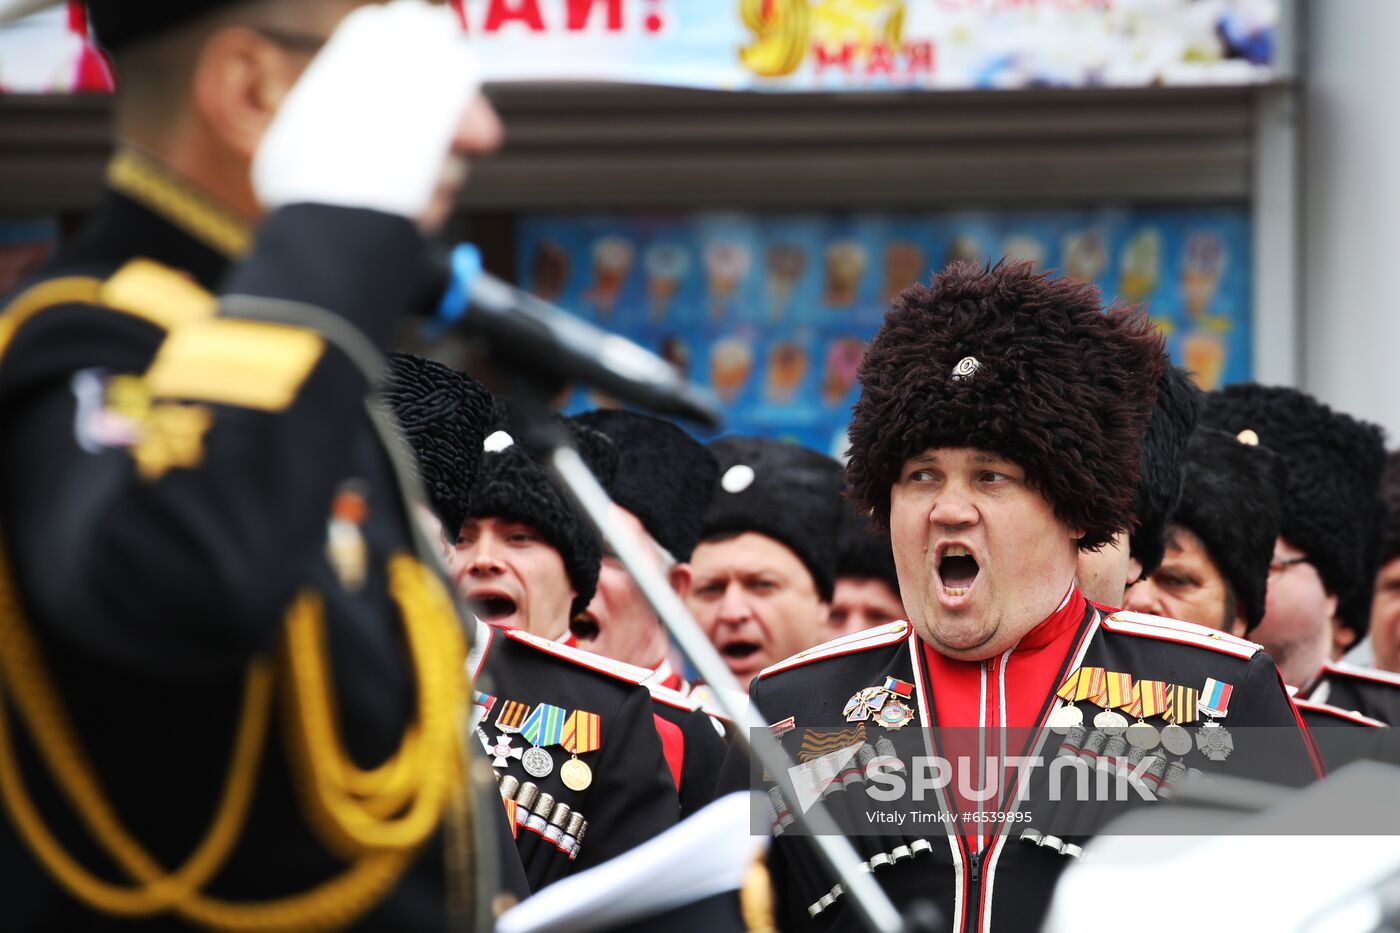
x=1354, y=672
x=1336, y=712
x=618, y=670
x=202, y=357
x=863, y=640
x=1162, y=628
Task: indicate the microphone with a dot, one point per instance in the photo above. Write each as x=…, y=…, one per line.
x=537, y=335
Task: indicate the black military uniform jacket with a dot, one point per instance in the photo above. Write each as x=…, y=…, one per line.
x=171, y=478
x=629, y=796
x=693, y=745
x=1366, y=690
x=986, y=875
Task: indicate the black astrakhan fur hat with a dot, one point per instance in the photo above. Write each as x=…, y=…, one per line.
x=862, y=551
x=665, y=477
x=1163, y=461
x=791, y=494
x=513, y=486
x=1234, y=503
x=1332, y=496
x=444, y=416
x=1018, y=363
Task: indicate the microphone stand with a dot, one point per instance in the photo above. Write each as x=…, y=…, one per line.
x=541, y=435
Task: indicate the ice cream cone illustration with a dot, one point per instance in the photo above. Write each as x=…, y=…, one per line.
x=726, y=264
x=845, y=266
x=1024, y=248
x=612, y=260
x=784, y=263
x=1141, y=265
x=1085, y=254
x=787, y=364
x=1202, y=264
x=1203, y=355
x=963, y=248
x=666, y=265
x=842, y=363
x=549, y=269
x=904, y=266
x=731, y=360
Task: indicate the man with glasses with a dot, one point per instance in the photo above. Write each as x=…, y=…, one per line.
x=234, y=689
x=1325, y=558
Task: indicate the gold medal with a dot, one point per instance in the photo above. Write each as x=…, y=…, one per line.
x=575, y=774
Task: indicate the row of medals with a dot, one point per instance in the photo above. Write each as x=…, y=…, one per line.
x=1212, y=737
x=537, y=761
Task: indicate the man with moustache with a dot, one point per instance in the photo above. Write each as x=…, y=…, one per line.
x=663, y=484
x=200, y=518
x=762, y=573
x=1321, y=577
x=997, y=435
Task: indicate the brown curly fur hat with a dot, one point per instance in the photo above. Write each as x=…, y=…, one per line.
x=1062, y=388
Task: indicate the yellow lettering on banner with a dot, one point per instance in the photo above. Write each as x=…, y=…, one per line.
x=231, y=362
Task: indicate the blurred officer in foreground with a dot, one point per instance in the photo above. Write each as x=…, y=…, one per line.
x=866, y=594
x=997, y=435
x=571, y=736
x=199, y=514
x=1131, y=556
x=1325, y=559
x=766, y=561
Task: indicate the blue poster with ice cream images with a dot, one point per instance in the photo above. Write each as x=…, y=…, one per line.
x=772, y=312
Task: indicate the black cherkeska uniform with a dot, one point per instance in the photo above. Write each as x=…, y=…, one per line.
x=980, y=872
x=172, y=478
x=546, y=704
x=692, y=741
x=1365, y=690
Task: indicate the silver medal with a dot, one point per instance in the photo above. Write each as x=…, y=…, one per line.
x=1110, y=722
x=1214, y=741
x=1176, y=739
x=537, y=762
x=1142, y=735
x=1065, y=718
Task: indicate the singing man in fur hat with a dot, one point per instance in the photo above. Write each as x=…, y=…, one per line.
x=997, y=436
x=1329, y=545
x=575, y=797
x=764, y=567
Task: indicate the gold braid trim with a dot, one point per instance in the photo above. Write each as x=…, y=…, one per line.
x=352, y=809
x=331, y=905
x=377, y=818
x=142, y=179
